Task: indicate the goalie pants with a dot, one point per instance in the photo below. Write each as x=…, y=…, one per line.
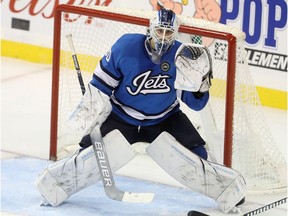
x=178, y=125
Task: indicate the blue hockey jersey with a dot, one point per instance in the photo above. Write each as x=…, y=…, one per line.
x=141, y=92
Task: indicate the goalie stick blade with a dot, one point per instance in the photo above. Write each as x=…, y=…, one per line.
x=196, y=213
x=138, y=197
x=131, y=197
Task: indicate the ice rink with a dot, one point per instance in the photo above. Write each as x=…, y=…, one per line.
x=25, y=128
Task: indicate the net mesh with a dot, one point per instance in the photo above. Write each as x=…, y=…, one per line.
x=254, y=153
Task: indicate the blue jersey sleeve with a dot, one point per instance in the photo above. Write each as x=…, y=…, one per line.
x=107, y=75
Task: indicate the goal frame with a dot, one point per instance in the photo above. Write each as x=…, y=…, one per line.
x=231, y=69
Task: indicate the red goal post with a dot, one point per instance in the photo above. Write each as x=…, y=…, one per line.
x=226, y=107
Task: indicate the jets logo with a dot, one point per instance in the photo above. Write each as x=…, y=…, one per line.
x=165, y=66
x=146, y=84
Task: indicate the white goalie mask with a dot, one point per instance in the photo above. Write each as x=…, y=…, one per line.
x=163, y=31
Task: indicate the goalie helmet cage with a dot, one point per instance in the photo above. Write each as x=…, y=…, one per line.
x=232, y=123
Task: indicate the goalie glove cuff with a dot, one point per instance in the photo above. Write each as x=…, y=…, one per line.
x=198, y=94
x=206, y=83
x=205, y=86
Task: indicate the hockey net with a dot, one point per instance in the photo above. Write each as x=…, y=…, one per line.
x=232, y=123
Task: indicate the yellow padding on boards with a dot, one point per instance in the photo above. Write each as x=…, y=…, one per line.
x=272, y=98
x=87, y=63
x=26, y=52
x=268, y=97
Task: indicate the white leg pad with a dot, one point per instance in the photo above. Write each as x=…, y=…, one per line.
x=70, y=175
x=222, y=184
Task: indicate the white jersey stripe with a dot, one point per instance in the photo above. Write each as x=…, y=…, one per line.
x=105, y=77
x=139, y=116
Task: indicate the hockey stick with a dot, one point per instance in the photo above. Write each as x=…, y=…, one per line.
x=76, y=63
x=101, y=155
x=250, y=213
x=107, y=175
x=266, y=207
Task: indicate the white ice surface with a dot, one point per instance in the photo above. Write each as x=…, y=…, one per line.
x=25, y=127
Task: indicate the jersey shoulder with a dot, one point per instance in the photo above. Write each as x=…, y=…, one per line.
x=130, y=40
x=177, y=44
x=128, y=44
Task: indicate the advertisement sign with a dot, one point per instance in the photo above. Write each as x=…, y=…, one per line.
x=263, y=21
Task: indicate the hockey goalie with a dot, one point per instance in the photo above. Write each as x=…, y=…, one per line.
x=134, y=97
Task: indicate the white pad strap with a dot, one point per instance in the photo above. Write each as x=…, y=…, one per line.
x=223, y=184
x=70, y=175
